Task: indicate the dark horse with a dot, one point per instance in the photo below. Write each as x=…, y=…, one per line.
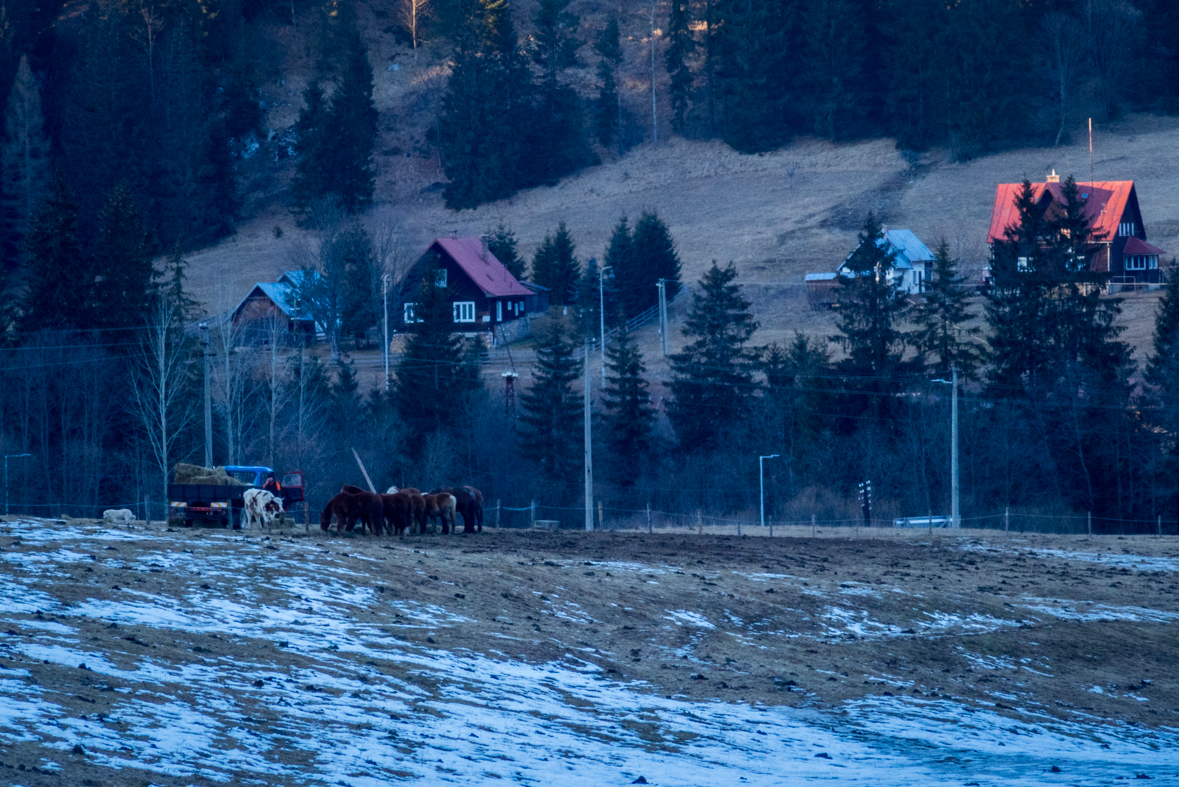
x=469, y=502
x=348, y=507
x=398, y=508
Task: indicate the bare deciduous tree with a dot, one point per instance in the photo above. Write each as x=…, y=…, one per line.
x=233, y=368
x=411, y=13
x=1115, y=41
x=1064, y=48
x=159, y=374
x=274, y=361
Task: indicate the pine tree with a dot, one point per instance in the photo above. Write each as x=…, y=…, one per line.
x=754, y=56
x=555, y=266
x=550, y=420
x=941, y=312
x=656, y=257
x=58, y=278
x=680, y=46
x=590, y=301
x=608, y=108
x=835, y=42
x=434, y=379
x=24, y=158
x=870, y=305
x=1162, y=367
x=352, y=131
x=311, y=168
x=124, y=278
x=712, y=377
x=628, y=414
x=358, y=303
x=620, y=257
x=502, y=244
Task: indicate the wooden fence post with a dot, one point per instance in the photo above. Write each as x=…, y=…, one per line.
x=649, y=516
x=812, y=525
x=600, y=515
x=497, y=512
x=532, y=508
x=1006, y=518
x=1090, y=523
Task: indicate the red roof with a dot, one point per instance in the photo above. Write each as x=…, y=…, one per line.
x=1105, y=205
x=488, y=273
x=1141, y=248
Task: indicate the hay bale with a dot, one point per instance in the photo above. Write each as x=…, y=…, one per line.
x=195, y=474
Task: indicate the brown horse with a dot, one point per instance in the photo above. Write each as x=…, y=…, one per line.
x=347, y=508
x=398, y=510
x=468, y=502
x=441, y=506
x=376, y=526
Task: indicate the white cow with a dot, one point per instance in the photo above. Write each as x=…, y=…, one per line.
x=262, y=506
x=118, y=516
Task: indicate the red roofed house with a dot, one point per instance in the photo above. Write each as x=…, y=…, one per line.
x=1112, y=208
x=484, y=296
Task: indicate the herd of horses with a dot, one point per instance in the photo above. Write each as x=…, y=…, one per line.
x=397, y=511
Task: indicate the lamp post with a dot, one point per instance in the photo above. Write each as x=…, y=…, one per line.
x=204, y=326
x=955, y=522
x=602, y=313
x=385, y=346
x=6, y=458
x=761, y=471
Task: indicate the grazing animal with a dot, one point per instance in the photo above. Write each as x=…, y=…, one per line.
x=347, y=508
x=118, y=516
x=441, y=507
x=398, y=512
x=261, y=506
x=468, y=502
x=377, y=526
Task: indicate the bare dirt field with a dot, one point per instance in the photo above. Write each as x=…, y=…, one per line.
x=134, y=655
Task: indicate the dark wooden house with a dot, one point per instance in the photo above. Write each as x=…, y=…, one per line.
x=483, y=295
x=1119, y=249
x=271, y=304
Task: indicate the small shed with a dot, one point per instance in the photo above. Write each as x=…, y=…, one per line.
x=273, y=304
x=820, y=290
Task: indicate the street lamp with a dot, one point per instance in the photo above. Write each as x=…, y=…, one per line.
x=762, y=474
x=602, y=312
x=6, y=458
x=955, y=522
x=385, y=300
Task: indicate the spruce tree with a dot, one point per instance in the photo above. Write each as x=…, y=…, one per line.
x=502, y=244
x=346, y=414
x=798, y=383
x=620, y=256
x=680, y=46
x=940, y=314
x=434, y=380
x=311, y=148
x=24, y=158
x=656, y=258
x=833, y=64
x=124, y=278
x=358, y=296
x=712, y=377
x=754, y=55
x=58, y=276
x=352, y=131
x=608, y=107
x=551, y=423
x=870, y=306
x=628, y=414
x=555, y=266
x=1162, y=367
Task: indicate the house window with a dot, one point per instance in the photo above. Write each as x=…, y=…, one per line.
x=1136, y=263
x=1126, y=229
x=1022, y=263
x=499, y=311
x=464, y=311
x=440, y=277
x=1152, y=263
x=408, y=313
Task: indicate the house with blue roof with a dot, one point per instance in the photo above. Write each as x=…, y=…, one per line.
x=275, y=303
x=913, y=261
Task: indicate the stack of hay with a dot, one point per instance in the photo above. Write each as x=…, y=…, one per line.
x=195, y=474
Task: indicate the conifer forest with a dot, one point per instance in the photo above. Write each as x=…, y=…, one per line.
x=135, y=134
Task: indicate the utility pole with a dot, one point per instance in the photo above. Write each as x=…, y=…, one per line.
x=956, y=520
x=602, y=313
x=589, y=449
x=662, y=287
x=6, y=458
x=208, y=399
x=761, y=471
x=654, y=117
x=385, y=301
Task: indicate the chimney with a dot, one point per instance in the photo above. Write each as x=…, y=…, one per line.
x=454, y=234
x=484, y=239
x=1053, y=178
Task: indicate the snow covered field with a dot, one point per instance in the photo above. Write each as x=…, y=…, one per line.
x=133, y=656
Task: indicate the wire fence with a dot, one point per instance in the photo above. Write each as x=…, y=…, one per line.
x=539, y=515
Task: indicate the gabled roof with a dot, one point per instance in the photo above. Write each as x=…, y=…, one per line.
x=1141, y=248
x=907, y=246
x=281, y=294
x=1105, y=204
x=488, y=273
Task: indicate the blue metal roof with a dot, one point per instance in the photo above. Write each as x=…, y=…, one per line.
x=907, y=246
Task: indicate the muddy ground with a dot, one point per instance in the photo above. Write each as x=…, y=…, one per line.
x=1067, y=628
